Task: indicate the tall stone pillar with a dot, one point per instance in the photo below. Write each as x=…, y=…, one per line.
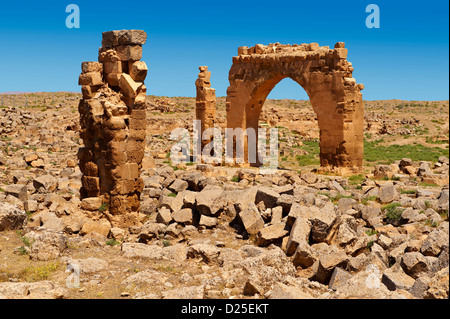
x=113, y=127
x=205, y=105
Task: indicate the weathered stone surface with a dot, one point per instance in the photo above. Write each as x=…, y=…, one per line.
x=251, y=219
x=271, y=234
x=210, y=202
x=299, y=235
x=150, y=230
x=415, y=264
x=90, y=265
x=141, y=250
x=208, y=221
x=321, y=219
x=32, y=290
x=101, y=227
x=184, y=216
x=46, y=245
x=196, y=292
x=46, y=182
x=388, y=193
x=338, y=278
x=432, y=246
x=394, y=280
x=11, y=217
x=164, y=216
x=178, y=186
x=329, y=259
x=207, y=253
x=267, y=195
x=91, y=203
x=282, y=291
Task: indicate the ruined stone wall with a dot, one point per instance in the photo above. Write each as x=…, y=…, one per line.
x=326, y=76
x=113, y=127
x=205, y=105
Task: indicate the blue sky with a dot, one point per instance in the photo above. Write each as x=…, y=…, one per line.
x=406, y=58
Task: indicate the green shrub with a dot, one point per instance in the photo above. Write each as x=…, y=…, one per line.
x=392, y=212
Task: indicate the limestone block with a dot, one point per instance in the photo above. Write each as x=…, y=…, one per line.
x=114, y=38
x=113, y=67
x=129, y=52
x=88, y=67
x=91, y=78
x=128, y=86
x=138, y=71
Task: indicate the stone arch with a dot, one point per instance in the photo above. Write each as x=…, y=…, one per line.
x=325, y=75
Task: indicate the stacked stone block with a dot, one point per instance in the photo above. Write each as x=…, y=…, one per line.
x=205, y=104
x=113, y=126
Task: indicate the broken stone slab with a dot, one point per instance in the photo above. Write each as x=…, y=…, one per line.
x=101, y=227
x=184, y=216
x=138, y=71
x=208, y=221
x=210, y=202
x=128, y=86
x=339, y=278
x=173, y=203
x=150, y=230
x=90, y=265
x=45, y=183
x=388, y=193
x=195, y=292
x=91, y=203
x=251, y=219
x=178, y=186
x=18, y=191
x=32, y=290
x=329, y=259
x=30, y=206
x=420, y=286
x=299, y=234
x=394, y=280
x=415, y=264
x=321, y=219
x=164, y=216
x=207, y=253
x=277, y=215
x=272, y=234
x=267, y=195
x=286, y=201
x=305, y=255
x=435, y=241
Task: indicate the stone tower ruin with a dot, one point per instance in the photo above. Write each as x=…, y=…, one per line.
x=205, y=104
x=113, y=126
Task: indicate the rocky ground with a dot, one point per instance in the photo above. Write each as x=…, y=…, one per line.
x=221, y=232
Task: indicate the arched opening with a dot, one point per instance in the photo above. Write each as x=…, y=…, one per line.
x=325, y=76
x=289, y=109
